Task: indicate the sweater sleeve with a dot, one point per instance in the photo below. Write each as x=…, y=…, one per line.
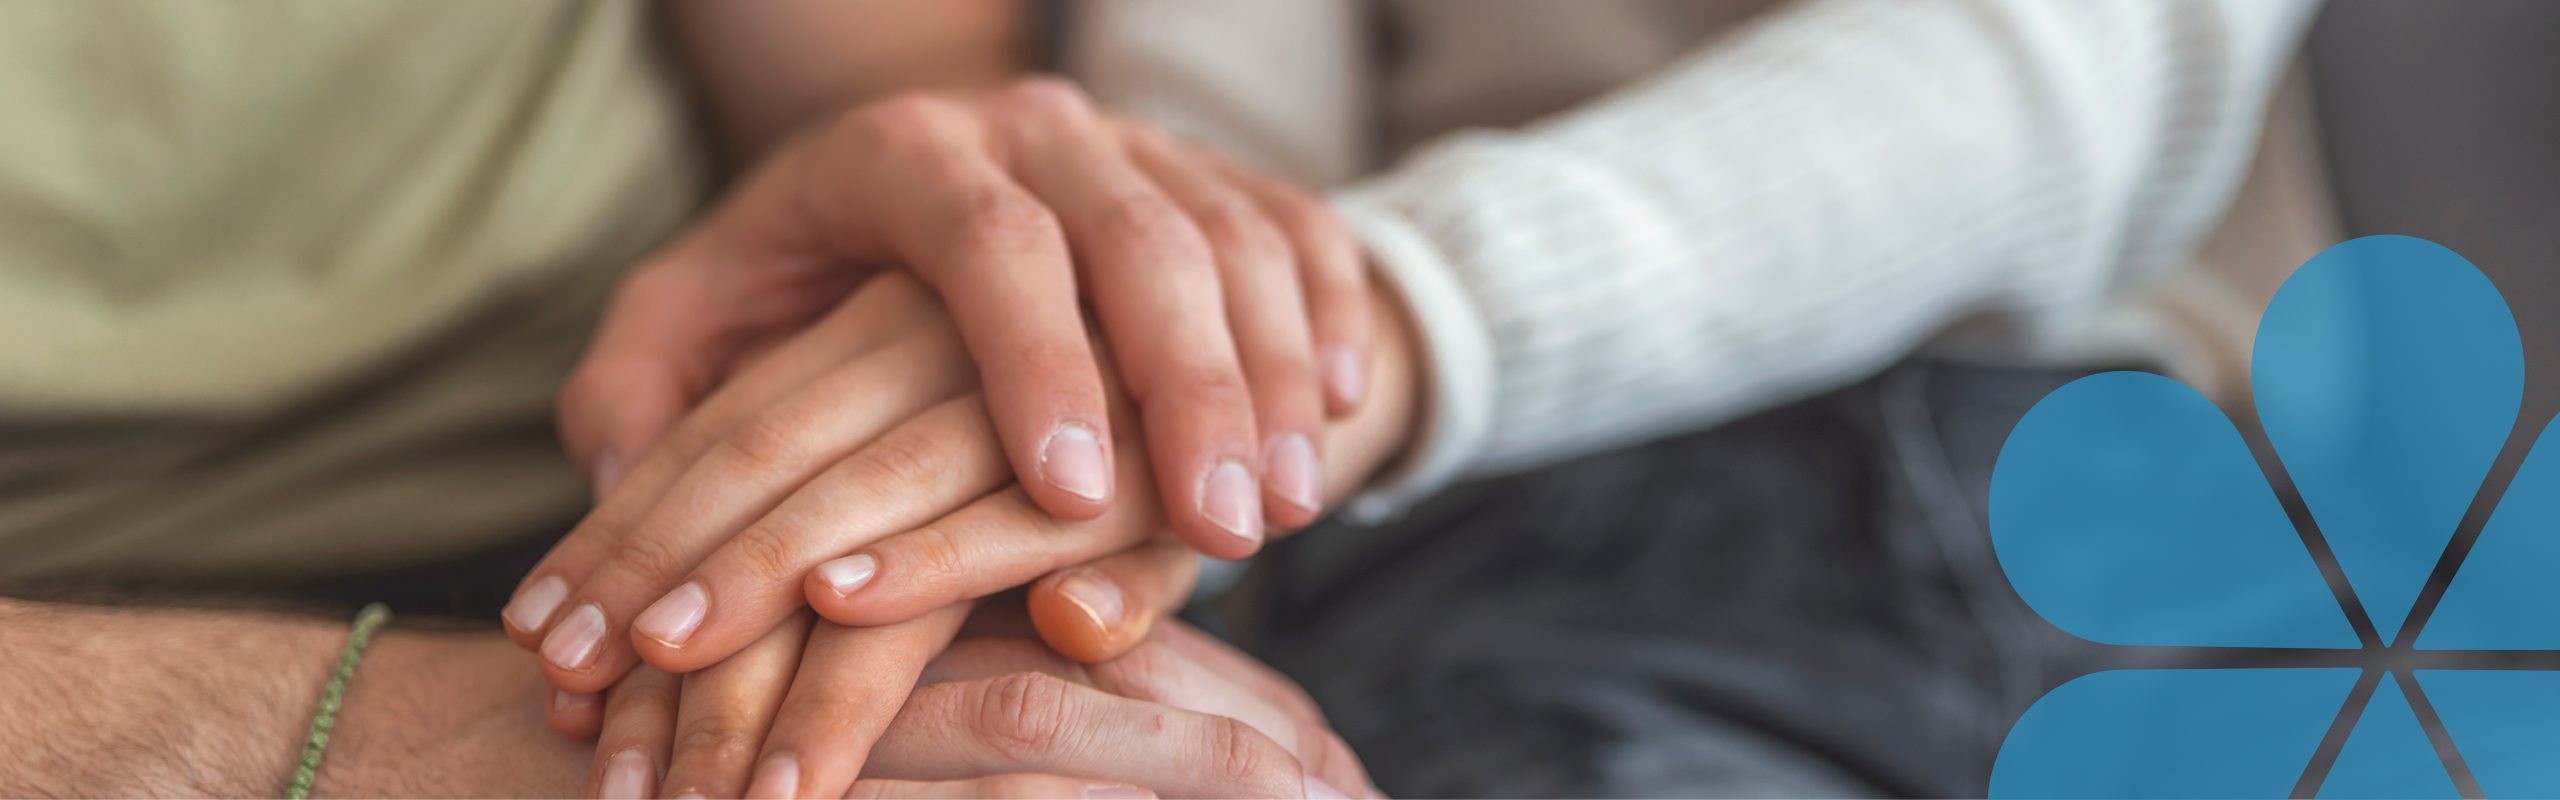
x=1800, y=204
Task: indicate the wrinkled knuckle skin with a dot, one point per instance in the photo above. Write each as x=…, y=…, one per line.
x=1219, y=388
x=769, y=441
x=1025, y=715
x=931, y=554
x=771, y=556
x=640, y=698
x=1003, y=215
x=1241, y=754
x=718, y=743
x=903, y=460
x=1244, y=237
x=1155, y=232
x=643, y=557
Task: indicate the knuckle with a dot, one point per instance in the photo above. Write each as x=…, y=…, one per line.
x=771, y=439
x=640, y=698
x=642, y=556
x=1243, y=234
x=1024, y=715
x=1239, y=754
x=717, y=741
x=929, y=554
x=903, y=460
x=1003, y=213
x=1154, y=230
x=770, y=555
x=1215, y=386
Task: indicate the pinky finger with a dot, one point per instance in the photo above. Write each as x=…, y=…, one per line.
x=1334, y=281
x=1029, y=786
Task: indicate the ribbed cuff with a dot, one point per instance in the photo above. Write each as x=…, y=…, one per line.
x=1456, y=415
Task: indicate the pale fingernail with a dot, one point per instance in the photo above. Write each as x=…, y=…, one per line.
x=534, y=605
x=607, y=473
x=626, y=776
x=567, y=700
x=672, y=619
x=1098, y=596
x=1317, y=789
x=1072, y=460
x=1230, y=500
x=778, y=778
x=1343, y=374
x=847, y=574
x=1289, y=464
x=1113, y=791
x=690, y=794
x=573, y=643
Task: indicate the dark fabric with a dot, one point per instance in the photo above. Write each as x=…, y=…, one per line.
x=1801, y=603
x=2442, y=120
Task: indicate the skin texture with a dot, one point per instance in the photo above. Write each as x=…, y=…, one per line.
x=163, y=702
x=943, y=456
x=859, y=439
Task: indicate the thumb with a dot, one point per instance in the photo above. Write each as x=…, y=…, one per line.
x=655, y=354
x=614, y=406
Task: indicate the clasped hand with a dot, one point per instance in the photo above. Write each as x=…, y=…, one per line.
x=765, y=442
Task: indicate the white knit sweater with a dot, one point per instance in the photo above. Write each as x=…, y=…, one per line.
x=1786, y=204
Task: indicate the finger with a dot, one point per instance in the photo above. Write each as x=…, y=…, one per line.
x=1036, y=722
x=1096, y=611
x=1153, y=282
x=996, y=255
x=726, y=710
x=665, y=338
x=925, y=467
x=1258, y=273
x=1183, y=668
x=736, y=481
x=1334, y=275
x=851, y=683
x=639, y=725
x=577, y=715
x=1015, y=785
x=891, y=305
x=995, y=543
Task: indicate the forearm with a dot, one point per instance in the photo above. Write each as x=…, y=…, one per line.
x=159, y=702
x=1807, y=200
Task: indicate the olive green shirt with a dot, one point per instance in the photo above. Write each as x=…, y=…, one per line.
x=287, y=287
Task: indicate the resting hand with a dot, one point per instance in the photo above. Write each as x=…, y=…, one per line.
x=996, y=715
x=1236, y=303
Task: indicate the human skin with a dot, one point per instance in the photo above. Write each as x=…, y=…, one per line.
x=137, y=701
x=860, y=439
x=925, y=501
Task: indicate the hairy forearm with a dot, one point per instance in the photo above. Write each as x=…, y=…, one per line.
x=136, y=701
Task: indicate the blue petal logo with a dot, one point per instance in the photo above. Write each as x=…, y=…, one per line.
x=2378, y=645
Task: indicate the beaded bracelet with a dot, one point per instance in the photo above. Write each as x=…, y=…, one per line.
x=317, y=742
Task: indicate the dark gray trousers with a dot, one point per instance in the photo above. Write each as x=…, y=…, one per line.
x=1800, y=603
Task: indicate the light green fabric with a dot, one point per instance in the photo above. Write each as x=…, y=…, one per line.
x=286, y=286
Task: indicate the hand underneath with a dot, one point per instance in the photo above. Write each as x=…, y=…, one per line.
x=997, y=715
